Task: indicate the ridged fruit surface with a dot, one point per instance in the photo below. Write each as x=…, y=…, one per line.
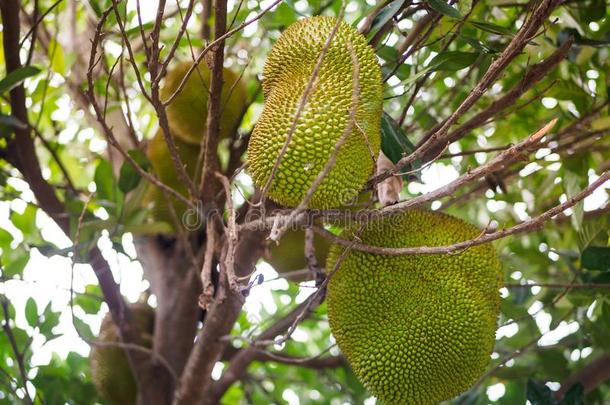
x=415, y=329
x=187, y=113
x=110, y=371
x=325, y=117
x=160, y=158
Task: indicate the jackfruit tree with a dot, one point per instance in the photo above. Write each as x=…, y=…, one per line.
x=290, y=202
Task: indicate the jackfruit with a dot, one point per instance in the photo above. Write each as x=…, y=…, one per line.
x=160, y=158
x=110, y=370
x=289, y=254
x=187, y=113
x=415, y=329
x=287, y=71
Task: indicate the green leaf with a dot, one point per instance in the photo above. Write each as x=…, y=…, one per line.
x=514, y=394
x=415, y=76
x=152, y=228
x=50, y=320
x=129, y=178
x=493, y=28
x=539, y=394
x=572, y=186
x=25, y=222
x=104, y=181
x=394, y=142
x=5, y=238
x=574, y=396
x=384, y=16
x=591, y=230
x=91, y=301
x=14, y=263
x=16, y=77
x=442, y=7
x=388, y=53
x=596, y=258
x=453, y=60
x=592, y=10
x=31, y=312
x=83, y=329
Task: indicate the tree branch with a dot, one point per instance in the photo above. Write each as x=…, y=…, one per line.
x=239, y=363
x=530, y=78
x=591, y=376
x=219, y=321
x=516, y=45
x=314, y=362
x=208, y=156
x=22, y=155
x=526, y=226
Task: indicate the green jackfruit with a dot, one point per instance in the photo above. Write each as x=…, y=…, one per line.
x=322, y=122
x=160, y=158
x=289, y=254
x=110, y=370
x=187, y=113
x=416, y=329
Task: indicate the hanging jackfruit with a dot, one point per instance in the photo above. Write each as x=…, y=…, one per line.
x=415, y=329
x=110, y=370
x=187, y=113
x=160, y=158
x=325, y=117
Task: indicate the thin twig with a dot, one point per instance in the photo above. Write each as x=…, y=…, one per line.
x=108, y=131
x=231, y=232
x=559, y=285
x=18, y=355
x=526, y=226
x=207, y=291
x=213, y=44
x=499, y=162
x=518, y=42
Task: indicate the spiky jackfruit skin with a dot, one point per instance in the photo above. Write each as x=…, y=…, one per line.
x=322, y=122
x=161, y=161
x=187, y=113
x=416, y=329
x=110, y=371
x=289, y=254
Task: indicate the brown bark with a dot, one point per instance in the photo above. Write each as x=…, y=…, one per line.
x=591, y=376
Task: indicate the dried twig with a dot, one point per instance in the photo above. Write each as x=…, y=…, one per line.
x=231, y=234
x=518, y=42
x=207, y=154
x=526, y=226
x=213, y=44
x=207, y=293
x=559, y=285
x=310, y=255
x=509, y=156
x=108, y=131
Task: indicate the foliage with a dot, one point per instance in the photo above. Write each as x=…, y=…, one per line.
x=555, y=306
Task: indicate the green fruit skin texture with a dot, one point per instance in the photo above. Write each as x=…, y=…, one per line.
x=160, y=158
x=187, y=113
x=415, y=329
x=289, y=255
x=110, y=371
x=322, y=122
